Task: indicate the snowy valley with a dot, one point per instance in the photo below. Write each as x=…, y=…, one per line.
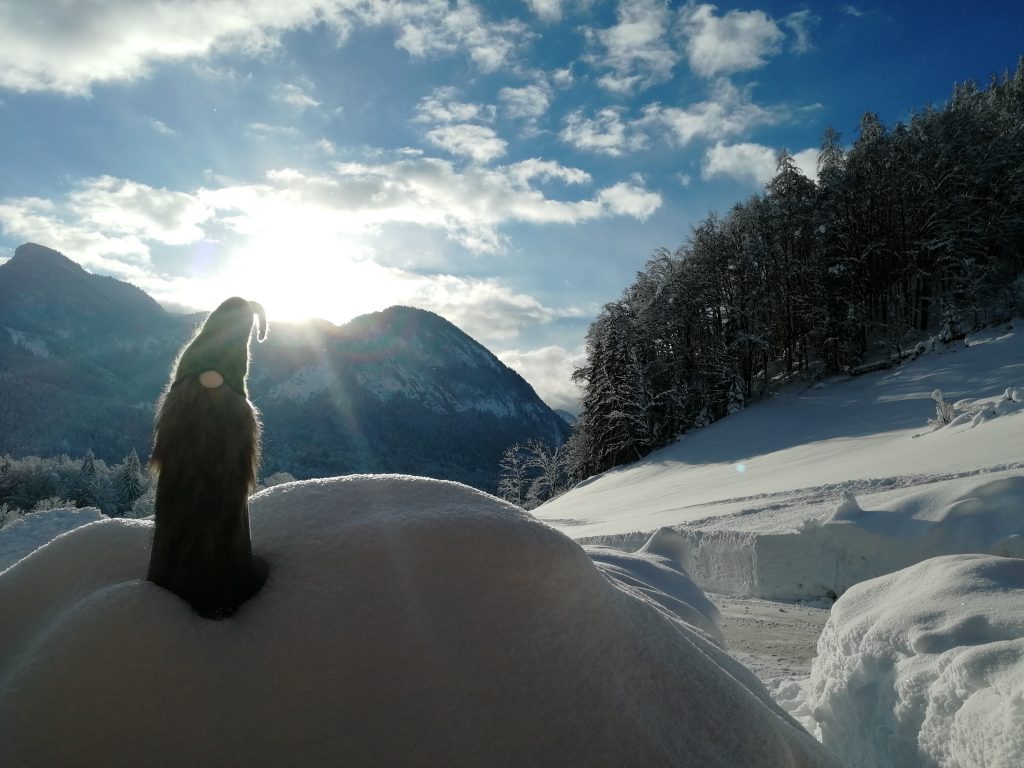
x=409, y=617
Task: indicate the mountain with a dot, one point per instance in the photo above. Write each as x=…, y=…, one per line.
x=83, y=359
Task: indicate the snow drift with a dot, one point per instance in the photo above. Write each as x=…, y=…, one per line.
x=31, y=531
x=405, y=621
x=972, y=514
x=925, y=667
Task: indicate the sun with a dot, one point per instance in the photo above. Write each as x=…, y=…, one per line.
x=302, y=283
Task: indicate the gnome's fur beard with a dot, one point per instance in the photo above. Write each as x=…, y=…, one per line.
x=207, y=452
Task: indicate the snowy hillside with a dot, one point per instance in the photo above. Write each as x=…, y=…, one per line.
x=405, y=622
x=816, y=489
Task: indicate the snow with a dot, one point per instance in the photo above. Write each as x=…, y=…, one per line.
x=31, y=531
x=845, y=488
x=813, y=490
x=871, y=431
x=925, y=667
x=977, y=513
x=415, y=620
x=405, y=621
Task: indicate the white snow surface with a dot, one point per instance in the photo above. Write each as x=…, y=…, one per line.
x=925, y=667
x=815, y=489
x=405, y=622
x=33, y=530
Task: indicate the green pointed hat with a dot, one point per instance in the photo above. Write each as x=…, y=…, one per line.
x=222, y=344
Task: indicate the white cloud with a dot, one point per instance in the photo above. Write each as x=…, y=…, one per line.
x=746, y=163
x=546, y=170
x=122, y=40
x=477, y=142
x=728, y=112
x=799, y=23
x=122, y=207
x=484, y=308
x=528, y=102
x=443, y=106
x=357, y=200
x=807, y=161
x=161, y=127
x=562, y=78
x=294, y=96
x=264, y=130
x=549, y=371
x=636, y=49
x=607, y=132
x=434, y=27
x=546, y=10
x=735, y=42
x=631, y=200
x=853, y=10
x=753, y=164
x=107, y=223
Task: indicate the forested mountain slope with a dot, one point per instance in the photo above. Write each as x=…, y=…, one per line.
x=83, y=359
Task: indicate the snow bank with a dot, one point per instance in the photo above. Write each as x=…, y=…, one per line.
x=978, y=514
x=33, y=530
x=925, y=667
x=405, y=621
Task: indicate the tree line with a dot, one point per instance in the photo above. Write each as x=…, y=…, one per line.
x=34, y=484
x=911, y=231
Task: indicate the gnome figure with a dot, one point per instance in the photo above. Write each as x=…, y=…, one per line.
x=206, y=449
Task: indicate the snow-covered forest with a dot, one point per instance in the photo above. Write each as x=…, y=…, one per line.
x=918, y=229
x=34, y=484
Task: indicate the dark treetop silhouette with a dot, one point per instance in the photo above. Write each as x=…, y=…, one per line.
x=206, y=449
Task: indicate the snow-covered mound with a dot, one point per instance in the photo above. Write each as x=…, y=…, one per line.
x=662, y=580
x=404, y=622
x=31, y=531
x=925, y=667
x=973, y=413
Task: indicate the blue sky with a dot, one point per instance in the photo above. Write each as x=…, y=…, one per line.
x=509, y=165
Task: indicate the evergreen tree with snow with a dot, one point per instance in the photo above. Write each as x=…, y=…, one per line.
x=131, y=482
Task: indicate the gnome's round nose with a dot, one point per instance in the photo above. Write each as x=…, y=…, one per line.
x=223, y=344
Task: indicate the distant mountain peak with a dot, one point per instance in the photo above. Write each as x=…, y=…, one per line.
x=35, y=256
x=42, y=290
